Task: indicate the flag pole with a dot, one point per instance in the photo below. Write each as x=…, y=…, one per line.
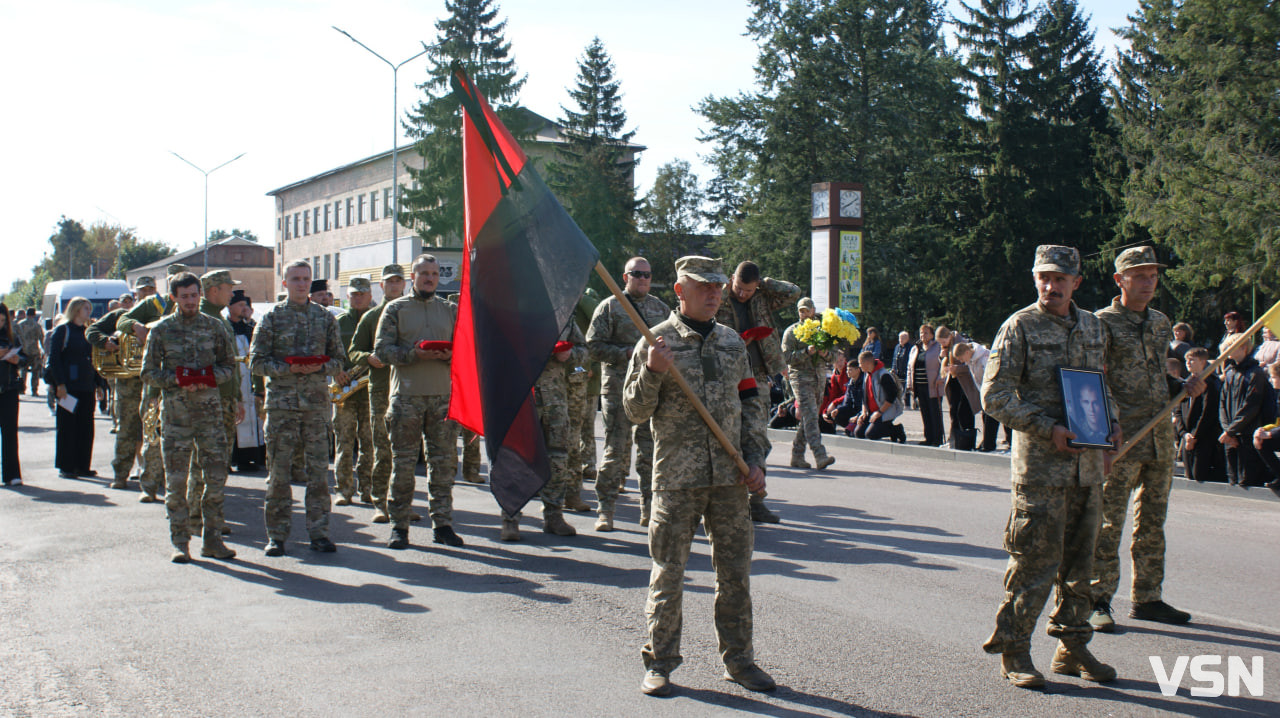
x=1173, y=404
x=675, y=373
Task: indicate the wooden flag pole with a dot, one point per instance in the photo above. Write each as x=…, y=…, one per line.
x=1173, y=404
x=675, y=373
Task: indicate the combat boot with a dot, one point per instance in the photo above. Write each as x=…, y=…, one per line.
x=213, y=546
x=553, y=523
x=1076, y=660
x=1158, y=611
x=604, y=521
x=656, y=683
x=366, y=497
x=646, y=509
x=472, y=477
x=343, y=500
x=180, y=553
x=1101, y=619
x=147, y=497
x=120, y=482
x=752, y=677
x=510, y=530
x=762, y=515
x=380, y=515
x=399, y=539
x=824, y=461
x=1020, y=671
x=574, y=502
x=798, y=462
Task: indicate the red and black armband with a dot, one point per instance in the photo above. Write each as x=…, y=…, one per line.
x=747, y=388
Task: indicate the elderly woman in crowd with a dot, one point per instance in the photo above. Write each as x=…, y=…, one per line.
x=922, y=377
x=962, y=396
x=74, y=382
x=12, y=360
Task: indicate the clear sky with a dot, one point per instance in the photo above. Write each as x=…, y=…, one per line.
x=97, y=93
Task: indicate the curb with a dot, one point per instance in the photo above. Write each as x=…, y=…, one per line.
x=1001, y=461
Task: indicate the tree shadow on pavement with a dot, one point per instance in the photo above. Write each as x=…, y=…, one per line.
x=1147, y=694
x=53, y=496
x=1202, y=632
x=771, y=704
x=966, y=485
x=310, y=588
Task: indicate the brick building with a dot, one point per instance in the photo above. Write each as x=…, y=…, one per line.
x=249, y=262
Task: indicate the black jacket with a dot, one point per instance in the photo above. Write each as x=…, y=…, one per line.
x=1191, y=417
x=11, y=374
x=71, y=359
x=1246, y=400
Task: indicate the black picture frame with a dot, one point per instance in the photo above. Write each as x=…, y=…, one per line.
x=1089, y=420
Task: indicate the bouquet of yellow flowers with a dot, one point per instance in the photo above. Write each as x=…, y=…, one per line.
x=837, y=329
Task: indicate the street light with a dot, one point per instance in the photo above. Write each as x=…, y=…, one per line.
x=206, y=198
x=395, y=141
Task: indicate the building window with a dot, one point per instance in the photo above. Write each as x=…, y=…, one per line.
x=373, y=206
x=337, y=270
x=295, y=225
x=326, y=216
x=315, y=267
x=360, y=209
x=315, y=221
x=306, y=223
x=349, y=215
x=387, y=209
x=287, y=227
x=326, y=266
x=337, y=214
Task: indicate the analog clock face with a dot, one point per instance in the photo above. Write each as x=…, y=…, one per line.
x=821, y=204
x=850, y=203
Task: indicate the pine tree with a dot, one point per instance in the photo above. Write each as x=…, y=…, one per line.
x=670, y=216
x=590, y=173
x=473, y=37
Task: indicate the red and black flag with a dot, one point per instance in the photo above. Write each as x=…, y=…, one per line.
x=524, y=266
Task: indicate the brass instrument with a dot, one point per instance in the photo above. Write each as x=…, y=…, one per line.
x=151, y=419
x=123, y=363
x=358, y=379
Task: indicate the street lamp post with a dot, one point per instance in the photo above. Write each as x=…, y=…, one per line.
x=206, y=198
x=395, y=140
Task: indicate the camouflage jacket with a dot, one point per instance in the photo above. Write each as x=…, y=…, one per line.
x=287, y=330
x=686, y=453
x=582, y=313
x=771, y=295
x=348, y=323
x=145, y=312
x=405, y=322
x=612, y=334
x=230, y=390
x=361, y=346
x=552, y=386
x=1137, y=343
x=796, y=353
x=31, y=335
x=1021, y=390
x=195, y=342
x=105, y=328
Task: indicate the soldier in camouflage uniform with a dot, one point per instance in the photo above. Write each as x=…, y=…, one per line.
x=218, y=287
x=31, y=334
x=151, y=477
x=584, y=392
x=189, y=339
x=805, y=369
x=551, y=396
x=1137, y=341
x=379, y=388
x=351, y=419
x=695, y=480
x=610, y=340
x=102, y=334
x=750, y=301
x=298, y=406
x=1057, y=488
x=420, y=402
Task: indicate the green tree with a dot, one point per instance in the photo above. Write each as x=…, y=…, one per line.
x=219, y=234
x=473, y=37
x=590, y=173
x=135, y=252
x=670, y=216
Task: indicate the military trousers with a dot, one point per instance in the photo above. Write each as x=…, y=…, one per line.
x=129, y=426
x=297, y=441
x=185, y=429
x=470, y=454
x=618, y=434
x=410, y=418
x=675, y=516
x=351, y=429
x=199, y=462
x=762, y=386
x=1149, y=483
x=808, y=391
x=577, y=401
x=554, y=417
x=586, y=411
x=380, y=478
x=1050, y=537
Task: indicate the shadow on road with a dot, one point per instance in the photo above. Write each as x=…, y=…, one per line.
x=966, y=485
x=53, y=496
x=768, y=703
x=1212, y=633
x=1147, y=694
x=310, y=588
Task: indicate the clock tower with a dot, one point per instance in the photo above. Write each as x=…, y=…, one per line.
x=835, y=215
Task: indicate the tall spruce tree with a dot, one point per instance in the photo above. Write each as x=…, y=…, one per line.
x=590, y=173
x=472, y=36
x=670, y=217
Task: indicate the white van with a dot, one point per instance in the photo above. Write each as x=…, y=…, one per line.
x=98, y=291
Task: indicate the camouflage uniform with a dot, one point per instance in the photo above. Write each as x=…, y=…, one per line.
x=1136, y=346
x=378, y=391
x=31, y=334
x=298, y=410
x=152, y=475
x=551, y=395
x=229, y=392
x=419, y=404
x=470, y=455
x=1056, y=496
x=695, y=480
x=128, y=402
x=804, y=372
x=611, y=336
x=192, y=342
x=583, y=392
x=351, y=425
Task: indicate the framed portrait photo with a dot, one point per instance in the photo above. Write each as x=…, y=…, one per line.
x=1084, y=395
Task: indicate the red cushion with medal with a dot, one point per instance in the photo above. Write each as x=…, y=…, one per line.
x=196, y=377
x=562, y=347
x=307, y=360
x=756, y=333
x=432, y=345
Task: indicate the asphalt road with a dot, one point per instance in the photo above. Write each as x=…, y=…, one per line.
x=872, y=598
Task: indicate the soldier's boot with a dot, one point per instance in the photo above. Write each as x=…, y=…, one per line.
x=553, y=523
x=1020, y=671
x=1076, y=660
x=472, y=477
x=798, y=462
x=1101, y=619
x=752, y=677
x=147, y=497
x=342, y=500
x=588, y=475
x=447, y=536
x=510, y=530
x=604, y=521
x=761, y=513
x=180, y=553
x=380, y=513
x=646, y=510
x=824, y=460
x=574, y=502
x=213, y=546
x=399, y=539
x=1158, y=611
x=120, y=482
x=366, y=497
x=414, y=516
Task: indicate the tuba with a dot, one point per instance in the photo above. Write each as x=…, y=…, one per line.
x=123, y=363
x=359, y=379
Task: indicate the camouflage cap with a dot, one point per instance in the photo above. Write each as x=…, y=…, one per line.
x=806, y=303
x=1057, y=258
x=176, y=268
x=703, y=269
x=215, y=278
x=1136, y=257
x=144, y=281
x=392, y=270
x=358, y=284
